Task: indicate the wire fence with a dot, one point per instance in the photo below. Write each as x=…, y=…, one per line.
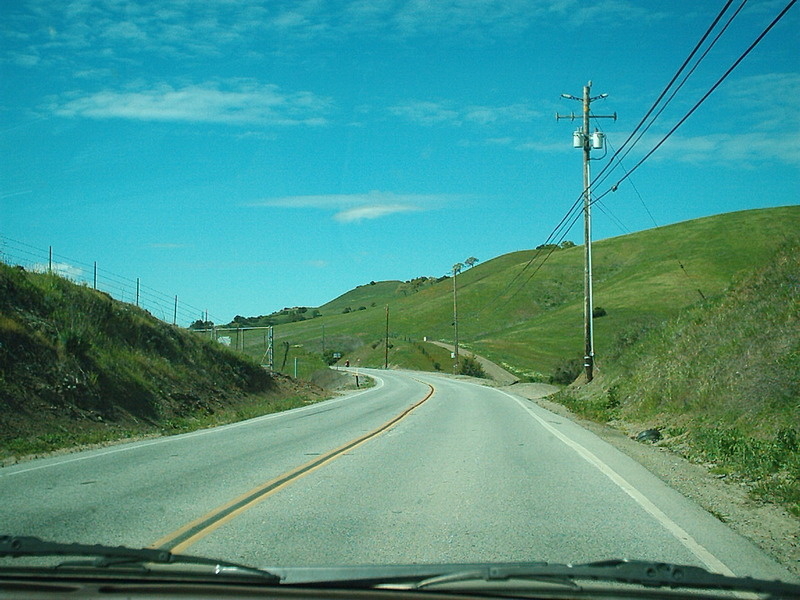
x=169, y=308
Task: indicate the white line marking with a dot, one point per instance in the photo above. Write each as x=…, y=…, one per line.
x=700, y=551
x=176, y=438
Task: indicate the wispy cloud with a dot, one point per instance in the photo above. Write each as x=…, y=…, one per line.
x=426, y=112
x=375, y=211
x=63, y=269
x=236, y=102
x=745, y=150
x=349, y=208
x=196, y=28
x=762, y=129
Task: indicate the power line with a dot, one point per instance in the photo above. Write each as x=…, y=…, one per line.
x=665, y=90
x=562, y=225
x=706, y=95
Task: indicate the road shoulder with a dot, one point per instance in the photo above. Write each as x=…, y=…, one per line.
x=768, y=526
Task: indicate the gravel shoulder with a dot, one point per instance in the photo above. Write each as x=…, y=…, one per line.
x=768, y=526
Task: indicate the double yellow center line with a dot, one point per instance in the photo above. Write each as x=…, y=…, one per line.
x=178, y=541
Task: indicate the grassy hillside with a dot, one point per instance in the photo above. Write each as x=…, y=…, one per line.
x=373, y=294
x=77, y=366
x=721, y=380
x=528, y=315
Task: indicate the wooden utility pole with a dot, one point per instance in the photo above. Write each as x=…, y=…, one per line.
x=386, y=341
x=456, y=270
x=584, y=139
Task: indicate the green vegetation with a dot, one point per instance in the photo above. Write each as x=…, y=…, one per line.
x=721, y=379
x=696, y=331
x=77, y=366
x=470, y=366
x=697, y=337
x=528, y=316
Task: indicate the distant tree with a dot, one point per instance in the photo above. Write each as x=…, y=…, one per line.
x=457, y=268
x=471, y=261
x=598, y=311
x=567, y=244
x=328, y=357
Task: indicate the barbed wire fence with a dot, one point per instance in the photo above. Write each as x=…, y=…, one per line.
x=169, y=308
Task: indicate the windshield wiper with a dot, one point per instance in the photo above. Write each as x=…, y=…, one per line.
x=109, y=556
x=642, y=573
x=652, y=575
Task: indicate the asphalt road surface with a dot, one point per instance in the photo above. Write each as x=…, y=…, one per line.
x=420, y=468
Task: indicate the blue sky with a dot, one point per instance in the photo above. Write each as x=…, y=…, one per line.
x=250, y=155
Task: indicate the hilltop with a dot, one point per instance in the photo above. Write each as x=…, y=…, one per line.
x=77, y=366
x=524, y=310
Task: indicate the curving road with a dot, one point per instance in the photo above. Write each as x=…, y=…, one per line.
x=465, y=473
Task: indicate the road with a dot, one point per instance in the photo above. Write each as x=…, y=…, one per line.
x=463, y=473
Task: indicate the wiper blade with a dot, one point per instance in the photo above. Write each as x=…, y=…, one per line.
x=642, y=573
x=645, y=574
x=107, y=556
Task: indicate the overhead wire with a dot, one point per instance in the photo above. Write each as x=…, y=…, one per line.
x=705, y=96
x=601, y=176
x=666, y=89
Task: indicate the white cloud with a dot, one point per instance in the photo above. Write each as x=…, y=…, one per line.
x=349, y=208
x=377, y=211
x=63, y=269
x=235, y=102
x=196, y=28
x=427, y=112
x=744, y=150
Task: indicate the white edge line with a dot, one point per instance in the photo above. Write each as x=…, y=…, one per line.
x=174, y=438
x=700, y=551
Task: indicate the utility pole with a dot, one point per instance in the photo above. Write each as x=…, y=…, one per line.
x=386, y=341
x=583, y=138
x=270, y=353
x=456, y=270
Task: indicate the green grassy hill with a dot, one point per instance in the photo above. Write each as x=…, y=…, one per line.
x=375, y=293
x=77, y=366
x=528, y=315
x=721, y=380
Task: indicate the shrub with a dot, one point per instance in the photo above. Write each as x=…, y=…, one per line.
x=567, y=371
x=471, y=367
